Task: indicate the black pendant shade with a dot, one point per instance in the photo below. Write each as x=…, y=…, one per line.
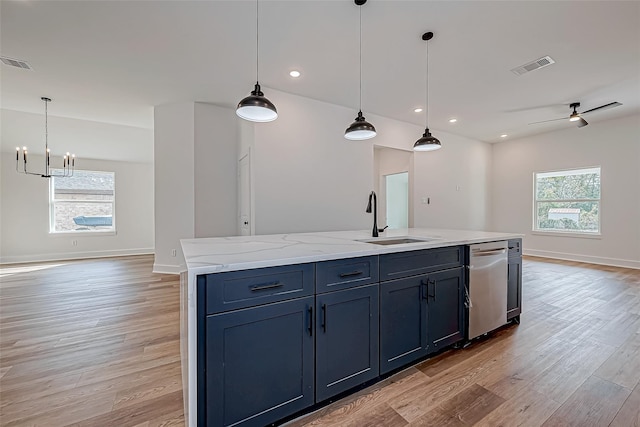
x=427, y=142
x=360, y=129
x=256, y=107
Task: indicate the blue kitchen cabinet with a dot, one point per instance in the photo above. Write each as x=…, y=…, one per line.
x=445, y=296
x=403, y=322
x=346, y=340
x=259, y=364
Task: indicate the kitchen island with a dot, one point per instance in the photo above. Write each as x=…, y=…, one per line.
x=274, y=324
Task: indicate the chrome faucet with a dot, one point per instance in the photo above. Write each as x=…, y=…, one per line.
x=375, y=214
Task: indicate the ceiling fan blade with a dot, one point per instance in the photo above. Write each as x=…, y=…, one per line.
x=602, y=107
x=545, y=121
x=582, y=123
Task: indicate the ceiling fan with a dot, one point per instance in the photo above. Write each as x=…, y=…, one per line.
x=577, y=117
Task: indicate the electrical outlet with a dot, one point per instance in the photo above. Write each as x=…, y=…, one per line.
x=173, y=252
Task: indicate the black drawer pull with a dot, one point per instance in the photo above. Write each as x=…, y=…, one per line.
x=351, y=274
x=324, y=317
x=310, y=328
x=270, y=285
x=512, y=247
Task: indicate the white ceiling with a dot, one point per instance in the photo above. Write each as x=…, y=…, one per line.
x=112, y=61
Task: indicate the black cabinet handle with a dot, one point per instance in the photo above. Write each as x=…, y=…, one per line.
x=511, y=247
x=432, y=282
x=424, y=289
x=351, y=274
x=310, y=328
x=324, y=317
x=269, y=285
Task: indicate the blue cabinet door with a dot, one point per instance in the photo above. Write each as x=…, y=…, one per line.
x=259, y=363
x=347, y=340
x=403, y=322
x=445, y=290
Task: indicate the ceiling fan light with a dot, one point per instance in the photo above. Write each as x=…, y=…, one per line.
x=427, y=142
x=574, y=117
x=256, y=107
x=360, y=129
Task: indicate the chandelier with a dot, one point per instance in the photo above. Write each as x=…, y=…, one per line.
x=68, y=161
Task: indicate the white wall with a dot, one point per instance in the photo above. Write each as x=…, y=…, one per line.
x=174, y=182
x=215, y=166
x=455, y=180
x=25, y=214
x=308, y=177
x=615, y=146
x=195, y=177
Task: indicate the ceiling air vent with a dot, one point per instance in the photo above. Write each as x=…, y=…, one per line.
x=15, y=63
x=535, y=65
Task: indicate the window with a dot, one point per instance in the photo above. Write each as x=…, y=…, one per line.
x=84, y=202
x=567, y=201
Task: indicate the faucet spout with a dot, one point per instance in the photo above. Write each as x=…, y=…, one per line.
x=372, y=195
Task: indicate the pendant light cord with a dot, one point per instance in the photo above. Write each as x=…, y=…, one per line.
x=426, y=101
x=257, y=43
x=360, y=103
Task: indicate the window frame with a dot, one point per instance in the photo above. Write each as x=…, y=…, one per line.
x=53, y=201
x=570, y=232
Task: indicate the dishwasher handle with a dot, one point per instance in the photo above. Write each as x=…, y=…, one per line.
x=488, y=252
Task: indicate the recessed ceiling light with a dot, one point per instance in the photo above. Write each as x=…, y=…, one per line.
x=504, y=135
x=453, y=120
x=294, y=73
x=418, y=110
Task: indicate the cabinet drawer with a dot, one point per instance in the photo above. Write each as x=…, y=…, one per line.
x=515, y=247
x=346, y=273
x=239, y=289
x=405, y=264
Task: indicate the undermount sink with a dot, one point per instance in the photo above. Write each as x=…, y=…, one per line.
x=398, y=240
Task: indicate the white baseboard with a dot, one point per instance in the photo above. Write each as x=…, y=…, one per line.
x=615, y=262
x=66, y=256
x=168, y=268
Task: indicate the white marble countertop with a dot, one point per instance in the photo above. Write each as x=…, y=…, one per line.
x=212, y=255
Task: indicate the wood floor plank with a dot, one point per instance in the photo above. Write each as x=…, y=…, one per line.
x=562, y=379
x=623, y=367
x=527, y=408
x=516, y=373
x=164, y=407
x=629, y=414
x=464, y=409
x=595, y=403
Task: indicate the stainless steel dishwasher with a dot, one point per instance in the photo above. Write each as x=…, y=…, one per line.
x=487, y=287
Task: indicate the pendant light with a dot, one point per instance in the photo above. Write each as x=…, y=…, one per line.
x=256, y=107
x=68, y=161
x=427, y=142
x=360, y=129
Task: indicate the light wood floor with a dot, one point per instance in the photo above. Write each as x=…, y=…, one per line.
x=96, y=343
x=90, y=343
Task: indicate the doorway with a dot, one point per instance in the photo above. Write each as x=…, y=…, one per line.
x=397, y=199
x=393, y=182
